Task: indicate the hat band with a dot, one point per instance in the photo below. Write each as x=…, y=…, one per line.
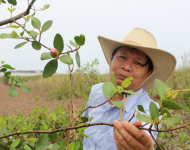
x=132, y=42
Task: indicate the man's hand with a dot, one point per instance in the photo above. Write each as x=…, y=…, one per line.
x=128, y=137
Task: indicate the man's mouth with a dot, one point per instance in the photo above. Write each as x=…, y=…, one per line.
x=121, y=76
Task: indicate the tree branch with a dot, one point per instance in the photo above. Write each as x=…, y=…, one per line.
x=25, y=13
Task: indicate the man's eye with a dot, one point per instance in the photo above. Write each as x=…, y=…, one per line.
x=122, y=57
x=138, y=63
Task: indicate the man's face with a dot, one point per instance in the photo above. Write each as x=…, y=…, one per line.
x=127, y=63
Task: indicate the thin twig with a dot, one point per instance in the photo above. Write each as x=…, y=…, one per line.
x=25, y=13
x=154, y=138
x=132, y=117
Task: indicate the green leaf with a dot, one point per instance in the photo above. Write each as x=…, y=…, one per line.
x=141, y=108
x=12, y=11
x=46, y=6
x=15, y=143
x=160, y=87
x=62, y=144
x=3, y=69
x=171, y=105
x=77, y=58
x=126, y=82
x=7, y=73
x=36, y=45
x=144, y=118
x=84, y=119
x=167, y=112
x=9, y=9
x=82, y=133
x=20, y=45
x=4, y=131
x=53, y=136
x=35, y=22
x=25, y=88
x=13, y=91
x=45, y=56
x=79, y=40
x=53, y=115
x=71, y=146
x=73, y=44
x=158, y=148
x=46, y=25
x=13, y=2
x=108, y=89
x=14, y=26
x=55, y=147
x=113, y=79
x=170, y=121
x=17, y=78
x=118, y=104
x=42, y=143
x=66, y=59
x=8, y=67
x=50, y=68
x=4, y=35
x=154, y=112
x=32, y=33
x=76, y=145
x=32, y=140
x=28, y=147
x=58, y=43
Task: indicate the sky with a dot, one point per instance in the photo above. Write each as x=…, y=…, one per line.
x=168, y=21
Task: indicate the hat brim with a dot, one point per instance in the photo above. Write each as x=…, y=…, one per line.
x=163, y=61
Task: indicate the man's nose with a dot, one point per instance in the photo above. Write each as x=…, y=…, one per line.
x=127, y=66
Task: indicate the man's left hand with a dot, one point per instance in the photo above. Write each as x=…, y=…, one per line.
x=128, y=137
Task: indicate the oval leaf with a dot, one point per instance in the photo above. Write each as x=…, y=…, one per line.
x=13, y=2
x=108, y=89
x=46, y=6
x=66, y=59
x=118, y=104
x=71, y=146
x=32, y=140
x=58, y=43
x=84, y=119
x=160, y=87
x=46, y=25
x=53, y=136
x=170, y=121
x=76, y=145
x=73, y=44
x=7, y=73
x=126, y=82
x=42, y=142
x=8, y=67
x=78, y=59
x=15, y=143
x=167, y=112
x=50, y=68
x=79, y=40
x=144, y=118
x=13, y=91
x=171, y=105
x=45, y=56
x=36, y=45
x=32, y=33
x=20, y=45
x=35, y=22
x=154, y=112
x=25, y=88
x=141, y=108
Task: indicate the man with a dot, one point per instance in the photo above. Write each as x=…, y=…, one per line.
x=135, y=56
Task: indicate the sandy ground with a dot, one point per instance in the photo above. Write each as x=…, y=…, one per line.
x=25, y=102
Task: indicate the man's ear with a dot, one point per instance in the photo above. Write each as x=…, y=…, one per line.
x=111, y=58
x=150, y=72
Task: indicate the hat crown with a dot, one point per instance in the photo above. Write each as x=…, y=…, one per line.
x=141, y=37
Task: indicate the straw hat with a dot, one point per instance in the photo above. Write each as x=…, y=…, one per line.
x=163, y=62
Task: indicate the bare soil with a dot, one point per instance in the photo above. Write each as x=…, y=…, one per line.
x=25, y=102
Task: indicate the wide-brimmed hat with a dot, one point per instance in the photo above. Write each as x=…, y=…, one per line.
x=163, y=62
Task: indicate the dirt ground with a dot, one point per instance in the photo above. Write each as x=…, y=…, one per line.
x=25, y=102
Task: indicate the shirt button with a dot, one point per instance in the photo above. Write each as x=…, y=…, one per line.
x=98, y=131
x=92, y=148
x=106, y=113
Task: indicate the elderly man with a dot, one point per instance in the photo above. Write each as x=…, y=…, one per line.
x=135, y=56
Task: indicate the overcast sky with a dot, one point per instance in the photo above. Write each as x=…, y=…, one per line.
x=168, y=21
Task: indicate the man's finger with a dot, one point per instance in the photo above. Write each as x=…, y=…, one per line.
x=125, y=138
x=140, y=135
